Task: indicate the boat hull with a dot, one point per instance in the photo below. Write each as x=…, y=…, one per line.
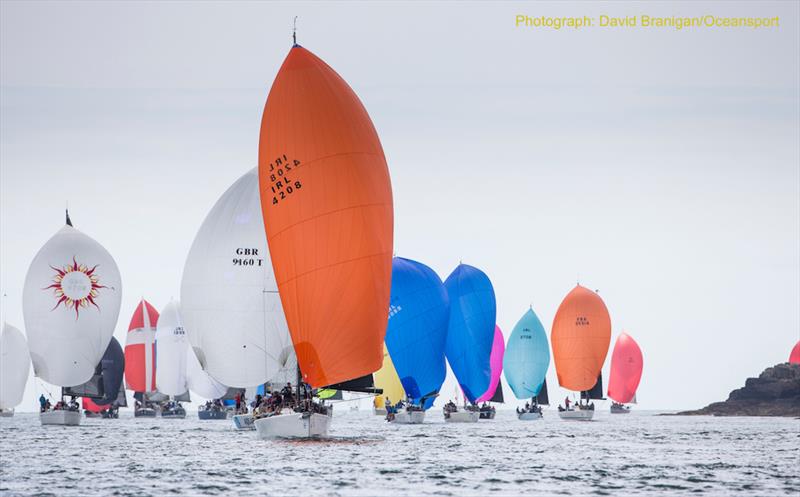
x=577, y=415
x=529, y=416
x=409, y=417
x=60, y=418
x=175, y=414
x=144, y=413
x=6, y=413
x=487, y=414
x=206, y=415
x=293, y=425
x=462, y=417
x=620, y=410
x=243, y=422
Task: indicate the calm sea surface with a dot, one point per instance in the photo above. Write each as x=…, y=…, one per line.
x=636, y=454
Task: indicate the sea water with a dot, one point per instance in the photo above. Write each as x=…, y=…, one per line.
x=635, y=454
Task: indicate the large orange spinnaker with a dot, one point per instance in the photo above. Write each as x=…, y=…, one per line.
x=580, y=337
x=326, y=199
x=626, y=369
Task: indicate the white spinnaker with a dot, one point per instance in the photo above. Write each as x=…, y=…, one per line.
x=171, y=348
x=231, y=306
x=70, y=303
x=198, y=380
x=15, y=365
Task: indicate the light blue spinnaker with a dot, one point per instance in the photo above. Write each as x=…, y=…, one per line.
x=527, y=357
x=470, y=332
x=417, y=329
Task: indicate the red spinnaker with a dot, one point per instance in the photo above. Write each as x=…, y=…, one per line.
x=626, y=369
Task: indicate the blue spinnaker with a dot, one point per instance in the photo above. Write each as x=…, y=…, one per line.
x=417, y=329
x=527, y=357
x=470, y=332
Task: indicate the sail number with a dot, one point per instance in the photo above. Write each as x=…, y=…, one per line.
x=581, y=321
x=253, y=260
x=281, y=183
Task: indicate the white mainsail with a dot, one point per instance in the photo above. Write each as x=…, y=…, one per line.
x=171, y=348
x=231, y=306
x=15, y=365
x=70, y=303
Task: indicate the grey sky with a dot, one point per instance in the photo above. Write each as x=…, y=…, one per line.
x=658, y=166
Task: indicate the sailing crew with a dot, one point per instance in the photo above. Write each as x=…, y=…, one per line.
x=42, y=403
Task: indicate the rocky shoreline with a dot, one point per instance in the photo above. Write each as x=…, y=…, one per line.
x=776, y=392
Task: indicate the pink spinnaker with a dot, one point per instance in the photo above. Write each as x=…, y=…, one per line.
x=496, y=363
x=626, y=369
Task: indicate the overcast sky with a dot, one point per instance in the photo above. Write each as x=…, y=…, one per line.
x=658, y=166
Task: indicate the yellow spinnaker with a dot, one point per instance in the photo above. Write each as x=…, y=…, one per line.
x=386, y=378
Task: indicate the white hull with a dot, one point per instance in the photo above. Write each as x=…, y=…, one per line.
x=60, y=417
x=529, y=416
x=577, y=415
x=409, y=418
x=463, y=417
x=6, y=413
x=293, y=425
x=243, y=422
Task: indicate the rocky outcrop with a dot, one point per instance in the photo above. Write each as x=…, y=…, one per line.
x=776, y=392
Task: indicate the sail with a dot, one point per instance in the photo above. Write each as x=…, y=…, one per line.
x=470, y=332
x=328, y=394
x=184, y=397
x=199, y=381
x=91, y=406
x=626, y=369
x=230, y=302
x=496, y=363
x=794, y=356
x=498, y=393
x=543, y=398
x=171, y=348
x=596, y=392
x=103, y=387
x=326, y=201
x=122, y=399
x=140, y=349
x=387, y=380
x=417, y=329
x=580, y=338
x=15, y=365
x=527, y=356
x=70, y=303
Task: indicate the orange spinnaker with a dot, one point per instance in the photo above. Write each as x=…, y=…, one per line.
x=626, y=369
x=326, y=198
x=580, y=338
x=794, y=356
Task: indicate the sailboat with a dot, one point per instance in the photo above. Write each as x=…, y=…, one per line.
x=387, y=380
x=470, y=336
x=580, y=338
x=626, y=371
x=228, y=284
x=326, y=201
x=70, y=303
x=140, y=359
x=103, y=388
x=15, y=365
x=525, y=365
x=171, y=346
x=495, y=390
x=794, y=355
x=419, y=311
